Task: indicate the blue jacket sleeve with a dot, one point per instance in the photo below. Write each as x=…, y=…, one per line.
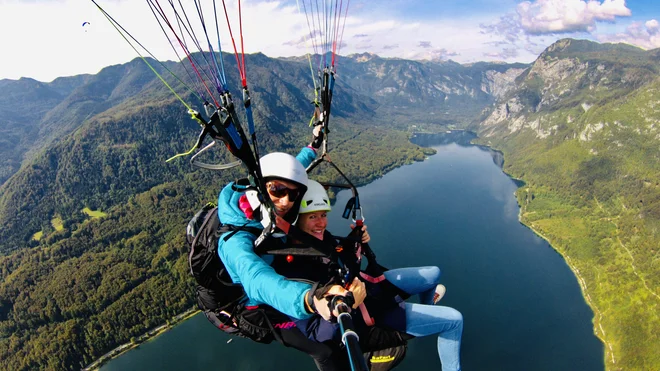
x=306, y=156
x=259, y=279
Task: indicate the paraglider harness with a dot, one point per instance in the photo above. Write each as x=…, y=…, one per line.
x=219, y=298
x=222, y=300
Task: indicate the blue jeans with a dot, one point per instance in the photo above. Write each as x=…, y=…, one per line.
x=427, y=319
x=416, y=280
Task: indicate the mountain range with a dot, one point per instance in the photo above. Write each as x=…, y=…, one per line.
x=579, y=126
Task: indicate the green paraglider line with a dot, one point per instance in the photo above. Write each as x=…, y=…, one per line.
x=183, y=46
x=144, y=59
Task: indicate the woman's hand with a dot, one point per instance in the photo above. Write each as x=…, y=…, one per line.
x=359, y=291
x=365, y=235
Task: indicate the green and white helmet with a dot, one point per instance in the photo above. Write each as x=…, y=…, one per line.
x=315, y=199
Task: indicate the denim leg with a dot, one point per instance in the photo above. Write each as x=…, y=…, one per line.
x=416, y=280
x=424, y=320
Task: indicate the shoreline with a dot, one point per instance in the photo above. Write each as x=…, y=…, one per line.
x=583, y=288
x=576, y=272
x=147, y=336
x=597, y=327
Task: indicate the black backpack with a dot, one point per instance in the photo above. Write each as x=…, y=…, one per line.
x=202, y=235
x=219, y=298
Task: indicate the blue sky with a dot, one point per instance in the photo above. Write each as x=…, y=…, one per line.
x=44, y=39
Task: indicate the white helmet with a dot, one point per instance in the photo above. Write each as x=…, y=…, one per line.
x=283, y=166
x=278, y=165
x=315, y=199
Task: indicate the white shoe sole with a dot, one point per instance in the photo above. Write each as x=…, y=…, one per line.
x=440, y=291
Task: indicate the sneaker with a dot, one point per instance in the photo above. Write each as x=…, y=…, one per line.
x=439, y=293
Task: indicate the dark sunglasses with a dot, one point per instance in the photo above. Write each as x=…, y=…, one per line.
x=279, y=190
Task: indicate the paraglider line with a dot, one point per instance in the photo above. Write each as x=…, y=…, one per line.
x=223, y=78
x=241, y=70
x=199, y=93
x=115, y=24
x=190, y=59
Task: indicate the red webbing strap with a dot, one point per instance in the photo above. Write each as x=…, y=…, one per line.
x=372, y=279
x=368, y=319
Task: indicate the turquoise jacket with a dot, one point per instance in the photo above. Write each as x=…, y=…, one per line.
x=262, y=285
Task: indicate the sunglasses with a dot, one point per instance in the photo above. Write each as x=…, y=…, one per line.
x=279, y=190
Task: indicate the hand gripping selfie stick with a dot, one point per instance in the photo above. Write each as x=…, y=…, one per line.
x=348, y=336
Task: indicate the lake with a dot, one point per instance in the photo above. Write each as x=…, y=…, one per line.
x=521, y=303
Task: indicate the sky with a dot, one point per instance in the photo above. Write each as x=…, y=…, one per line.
x=46, y=39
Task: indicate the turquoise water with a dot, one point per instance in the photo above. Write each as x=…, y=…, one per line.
x=522, y=305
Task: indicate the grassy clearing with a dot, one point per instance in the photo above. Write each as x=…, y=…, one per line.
x=94, y=214
x=57, y=223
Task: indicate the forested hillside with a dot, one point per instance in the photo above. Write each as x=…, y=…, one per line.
x=582, y=129
x=93, y=222
x=34, y=114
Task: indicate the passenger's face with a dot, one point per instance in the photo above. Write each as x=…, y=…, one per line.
x=283, y=194
x=313, y=223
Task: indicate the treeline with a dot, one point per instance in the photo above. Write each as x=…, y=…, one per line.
x=65, y=304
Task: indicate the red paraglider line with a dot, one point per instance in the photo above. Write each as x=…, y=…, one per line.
x=336, y=44
x=162, y=14
x=334, y=35
x=240, y=25
x=241, y=67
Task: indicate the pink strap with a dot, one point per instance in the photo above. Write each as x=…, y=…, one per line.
x=371, y=279
x=369, y=320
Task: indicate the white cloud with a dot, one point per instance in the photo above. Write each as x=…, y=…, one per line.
x=535, y=24
x=504, y=54
x=560, y=16
x=645, y=35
